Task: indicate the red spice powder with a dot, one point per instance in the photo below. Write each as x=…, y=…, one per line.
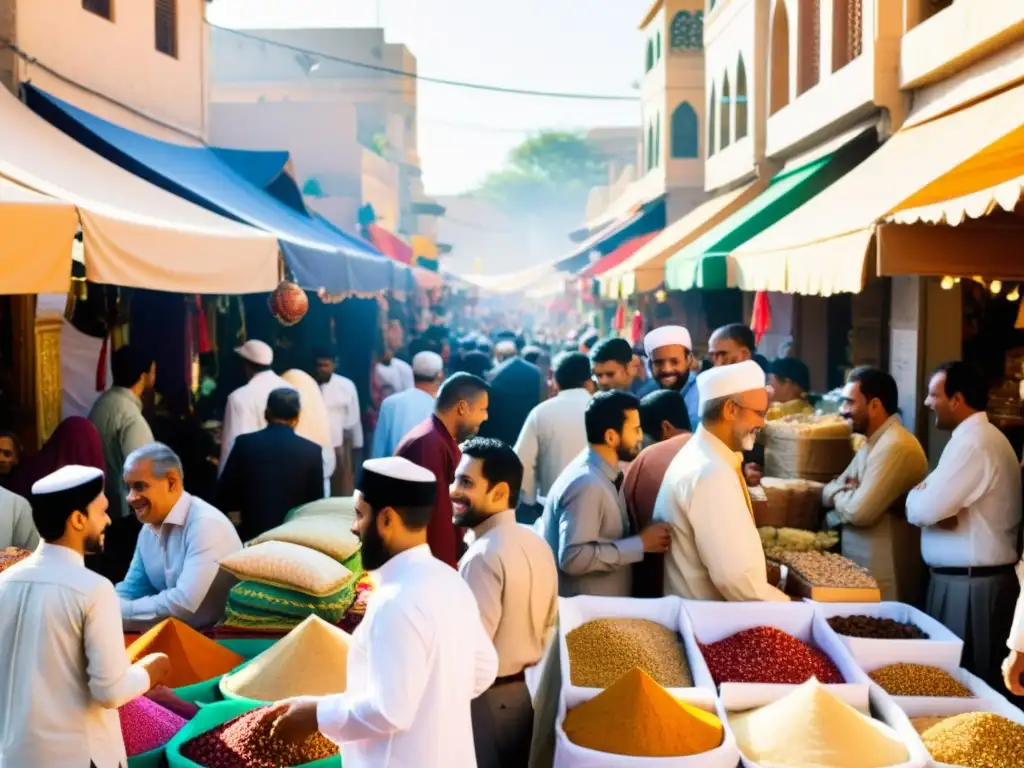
x=767, y=655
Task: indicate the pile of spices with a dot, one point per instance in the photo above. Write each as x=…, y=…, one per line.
x=194, y=657
x=876, y=628
x=922, y=724
x=11, y=556
x=146, y=726
x=603, y=650
x=919, y=680
x=825, y=569
x=637, y=717
x=811, y=727
x=767, y=655
x=308, y=661
x=976, y=740
x=245, y=742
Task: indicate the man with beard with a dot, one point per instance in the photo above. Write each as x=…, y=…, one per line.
x=611, y=362
x=512, y=573
x=585, y=521
x=668, y=350
x=419, y=656
x=176, y=568
x=63, y=666
x=716, y=552
x=460, y=409
x=866, y=500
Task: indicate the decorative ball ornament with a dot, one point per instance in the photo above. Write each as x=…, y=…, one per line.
x=288, y=303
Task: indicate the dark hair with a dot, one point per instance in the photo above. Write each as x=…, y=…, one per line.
x=876, y=384
x=590, y=340
x=323, y=353
x=283, y=404
x=607, y=410
x=129, y=364
x=612, y=351
x=966, y=380
x=535, y=355
x=413, y=518
x=476, y=363
x=664, y=405
x=499, y=464
x=572, y=370
x=459, y=387
x=791, y=369
x=739, y=333
x=11, y=435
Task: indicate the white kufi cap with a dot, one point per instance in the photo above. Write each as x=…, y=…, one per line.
x=667, y=336
x=256, y=352
x=427, y=364
x=728, y=380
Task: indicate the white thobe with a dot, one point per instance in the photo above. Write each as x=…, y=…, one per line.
x=16, y=526
x=418, y=658
x=246, y=410
x=554, y=434
x=342, y=400
x=716, y=552
x=63, y=667
x=395, y=376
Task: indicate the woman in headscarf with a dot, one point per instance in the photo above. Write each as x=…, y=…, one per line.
x=74, y=441
x=313, y=419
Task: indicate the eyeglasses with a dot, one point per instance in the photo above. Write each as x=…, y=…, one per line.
x=755, y=411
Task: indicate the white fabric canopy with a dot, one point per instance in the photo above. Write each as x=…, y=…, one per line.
x=36, y=233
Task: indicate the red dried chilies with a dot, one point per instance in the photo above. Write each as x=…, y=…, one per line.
x=767, y=655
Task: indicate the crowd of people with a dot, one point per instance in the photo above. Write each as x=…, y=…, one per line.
x=501, y=475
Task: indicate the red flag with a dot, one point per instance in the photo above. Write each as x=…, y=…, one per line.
x=619, y=323
x=637, y=329
x=761, y=320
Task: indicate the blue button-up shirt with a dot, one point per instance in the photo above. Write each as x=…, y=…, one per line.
x=690, y=396
x=399, y=413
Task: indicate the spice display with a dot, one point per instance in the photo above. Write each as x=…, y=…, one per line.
x=796, y=540
x=825, y=569
x=919, y=680
x=810, y=727
x=245, y=742
x=922, y=724
x=308, y=661
x=194, y=657
x=635, y=716
x=876, y=628
x=146, y=726
x=12, y=556
x=603, y=650
x=767, y=655
x=976, y=740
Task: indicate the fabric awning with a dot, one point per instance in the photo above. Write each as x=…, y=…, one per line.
x=704, y=262
x=390, y=244
x=646, y=218
x=924, y=172
x=317, y=255
x=619, y=255
x=35, y=247
x=135, y=234
x=644, y=270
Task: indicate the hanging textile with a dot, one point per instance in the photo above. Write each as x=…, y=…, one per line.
x=761, y=320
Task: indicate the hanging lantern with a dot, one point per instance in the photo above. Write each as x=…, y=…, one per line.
x=288, y=303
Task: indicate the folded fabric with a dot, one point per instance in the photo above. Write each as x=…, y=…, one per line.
x=258, y=623
x=254, y=598
x=290, y=566
x=325, y=533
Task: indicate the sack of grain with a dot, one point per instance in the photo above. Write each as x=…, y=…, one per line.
x=256, y=599
x=816, y=449
x=792, y=503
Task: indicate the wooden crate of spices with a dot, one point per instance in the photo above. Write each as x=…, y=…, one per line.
x=826, y=577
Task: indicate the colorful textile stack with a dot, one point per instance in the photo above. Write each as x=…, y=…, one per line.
x=354, y=615
x=146, y=726
x=194, y=657
x=11, y=556
x=284, y=582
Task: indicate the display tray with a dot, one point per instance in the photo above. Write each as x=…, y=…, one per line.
x=798, y=586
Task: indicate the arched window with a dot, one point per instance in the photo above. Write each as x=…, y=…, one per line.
x=741, y=100
x=657, y=141
x=657, y=47
x=779, y=88
x=650, y=56
x=650, y=147
x=726, y=123
x=712, y=111
x=685, y=136
x=687, y=31
x=847, y=32
x=809, y=46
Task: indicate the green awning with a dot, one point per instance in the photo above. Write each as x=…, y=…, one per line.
x=704, y=262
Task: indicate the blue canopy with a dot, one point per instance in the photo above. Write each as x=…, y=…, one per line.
x=235, y=184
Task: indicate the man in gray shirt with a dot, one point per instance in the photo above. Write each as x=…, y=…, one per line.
x=585, y=519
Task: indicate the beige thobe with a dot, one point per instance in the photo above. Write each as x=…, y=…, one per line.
x=876, y=534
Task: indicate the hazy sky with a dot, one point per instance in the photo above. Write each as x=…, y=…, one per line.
x=581, y=46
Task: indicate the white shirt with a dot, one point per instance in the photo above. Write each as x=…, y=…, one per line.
x=396, y=377
x=63, y=666
x=1016, y=639
x=715, y=552
x=246, y=410
x=175, y=571
x=342, y=400
x=16, y=526
x=554, y=434
x=978, y=481
x=416, y=661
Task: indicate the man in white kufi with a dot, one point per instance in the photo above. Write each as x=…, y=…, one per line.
x=716, y=552
x=669, y=356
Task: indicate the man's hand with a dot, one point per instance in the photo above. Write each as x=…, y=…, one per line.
x=1013, y=668
x=656, y=537
x=752, y=474
x=292, y=720
x=157, y=666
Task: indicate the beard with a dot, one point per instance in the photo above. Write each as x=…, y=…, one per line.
x=628, y=454
x=374, y=550
x=466, y=431
x=674, y=380
x=471, y=518
x=859, y=426
x=748, y=441
x=93, y=545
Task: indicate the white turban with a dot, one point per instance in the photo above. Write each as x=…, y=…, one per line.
x=667, y=336
x=728, y=380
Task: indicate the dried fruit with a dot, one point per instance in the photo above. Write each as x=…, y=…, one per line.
x=825, y=569
x=876, y=628
x=919, y=680
x=767, y=655
x=603, y=650
x=976, y=740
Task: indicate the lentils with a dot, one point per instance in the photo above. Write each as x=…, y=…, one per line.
x=146, y=726
x=919, y=680
x=876, y=628
x=825, y=569
x=245, y=742
x=767, y=655
x=603, y=650
x=976, y=740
